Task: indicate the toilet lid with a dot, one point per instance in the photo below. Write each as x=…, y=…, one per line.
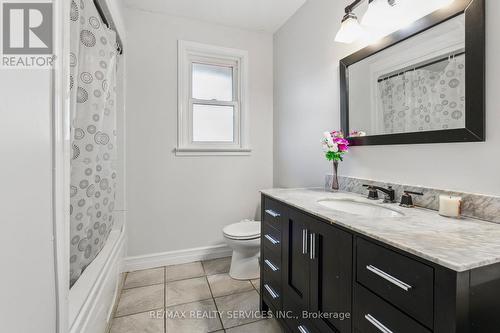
x=242, y=230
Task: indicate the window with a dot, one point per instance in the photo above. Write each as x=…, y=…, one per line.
x=213, y=111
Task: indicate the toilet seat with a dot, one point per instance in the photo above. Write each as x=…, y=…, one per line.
x=246, y=230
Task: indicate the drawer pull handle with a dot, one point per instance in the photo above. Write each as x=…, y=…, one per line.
x=303, y=329
x=271, y=291
x=377, y=324
x=388, y=277
x=271, y=239
x=271, y=265
x=312, y=241
x=272, y=213
x=304, y=241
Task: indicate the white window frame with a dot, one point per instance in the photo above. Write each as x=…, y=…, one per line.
x=192, y=52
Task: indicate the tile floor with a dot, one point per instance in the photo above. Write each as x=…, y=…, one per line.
x=198, y=297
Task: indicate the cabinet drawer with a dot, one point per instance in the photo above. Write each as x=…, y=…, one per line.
x=273, y=211
x=374, y=315
x=403, y=282
x=296, y=322
x=271, y=266
x=271, y=292
x=301, y=326
x=271, y=238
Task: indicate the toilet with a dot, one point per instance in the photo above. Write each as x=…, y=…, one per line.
x=244, y=239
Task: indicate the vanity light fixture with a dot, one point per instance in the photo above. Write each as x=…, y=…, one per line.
x=379, y=14
x=350, y=30
x=383, y=17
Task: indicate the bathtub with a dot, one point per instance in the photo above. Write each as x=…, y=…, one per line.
x=93, y=295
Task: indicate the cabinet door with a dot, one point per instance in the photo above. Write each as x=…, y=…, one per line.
x=295, y=263
x=331, y=277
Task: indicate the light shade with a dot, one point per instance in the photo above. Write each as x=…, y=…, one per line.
x=383, y=17
x=350, y=30
x=380, y=14
x=390, y=15
x=444, y=3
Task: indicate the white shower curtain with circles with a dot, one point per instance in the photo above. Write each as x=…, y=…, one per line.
x=93, y=134
x=426, y=99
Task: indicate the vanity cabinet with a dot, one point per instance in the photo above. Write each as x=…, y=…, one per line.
x=316, y=269
x=313, y=266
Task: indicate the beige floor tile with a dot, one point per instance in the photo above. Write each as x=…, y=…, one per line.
x=247, y=302
x=138, y=323
x=145, y=277
x=223, y=284
x=256, y=284
x=184, y=271
x=262, y=326
x=217, y=266
x=187, y=291
x=200, y=317
x=140, y=299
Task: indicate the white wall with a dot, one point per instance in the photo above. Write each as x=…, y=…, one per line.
x=183, y=202
x=307, y=103
x=27, y=288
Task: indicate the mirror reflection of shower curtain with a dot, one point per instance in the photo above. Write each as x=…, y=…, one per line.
x=425, y=99
x=93, y=134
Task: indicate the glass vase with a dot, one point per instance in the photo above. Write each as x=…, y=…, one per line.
x=335, y=180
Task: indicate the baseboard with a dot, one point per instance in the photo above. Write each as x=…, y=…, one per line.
x=175, y=257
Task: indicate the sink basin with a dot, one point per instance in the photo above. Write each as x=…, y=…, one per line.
x=359, y=208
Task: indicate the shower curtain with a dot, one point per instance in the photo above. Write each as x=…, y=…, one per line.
x=431, y=98
x=93, y=134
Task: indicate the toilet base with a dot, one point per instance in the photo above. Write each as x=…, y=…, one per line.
x=244, y=266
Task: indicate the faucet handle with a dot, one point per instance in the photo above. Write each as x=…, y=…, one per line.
x=407, y=200
x=372, y=192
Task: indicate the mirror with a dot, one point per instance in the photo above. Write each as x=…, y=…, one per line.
x=416, y=85
x=424, y=85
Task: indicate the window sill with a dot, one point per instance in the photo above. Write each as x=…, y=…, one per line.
x=213, y=151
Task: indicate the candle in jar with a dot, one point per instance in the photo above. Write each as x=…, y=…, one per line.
x=450, y=206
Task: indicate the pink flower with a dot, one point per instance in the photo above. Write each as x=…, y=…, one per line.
x=342, y=143
x=343, y=147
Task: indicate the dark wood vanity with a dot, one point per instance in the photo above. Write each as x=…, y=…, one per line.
x=323, y=276
x=358, y=284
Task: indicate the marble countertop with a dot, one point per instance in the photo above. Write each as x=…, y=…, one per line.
x=458, y=244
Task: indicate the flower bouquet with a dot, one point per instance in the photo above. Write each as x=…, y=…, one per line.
x=335, y=146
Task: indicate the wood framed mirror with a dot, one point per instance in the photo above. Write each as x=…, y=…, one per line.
x=422, y=84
